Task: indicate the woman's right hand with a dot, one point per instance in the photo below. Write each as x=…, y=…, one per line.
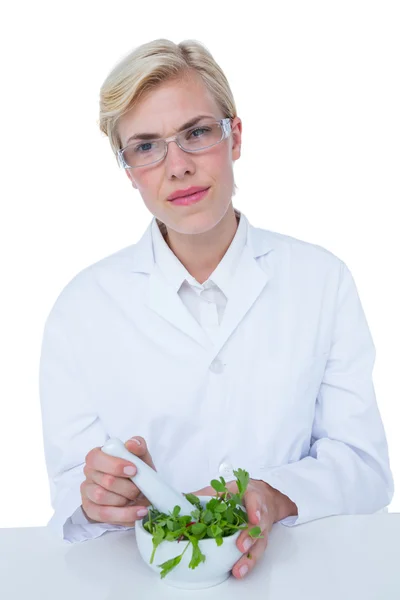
x=108, y=494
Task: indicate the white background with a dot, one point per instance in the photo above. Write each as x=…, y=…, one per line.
x=317, y=88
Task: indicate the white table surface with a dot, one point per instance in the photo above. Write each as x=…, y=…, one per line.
x=337, y=558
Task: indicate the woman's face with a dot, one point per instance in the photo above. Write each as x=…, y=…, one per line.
x=164, y=110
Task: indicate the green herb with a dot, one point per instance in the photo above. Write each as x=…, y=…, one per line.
x=221, y=517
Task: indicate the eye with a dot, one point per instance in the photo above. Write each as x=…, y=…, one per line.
x=138, y=148
x=198, y=129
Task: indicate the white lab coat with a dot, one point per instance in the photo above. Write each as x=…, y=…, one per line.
x=284, y=390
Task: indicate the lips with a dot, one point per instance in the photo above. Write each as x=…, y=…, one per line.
x=186, y=193
x=190, y=199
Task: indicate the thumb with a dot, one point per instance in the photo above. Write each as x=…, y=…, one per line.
x=137, y=446
x=207, y=491
x=210, y=491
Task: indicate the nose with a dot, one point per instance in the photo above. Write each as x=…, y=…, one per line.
x=178, y=162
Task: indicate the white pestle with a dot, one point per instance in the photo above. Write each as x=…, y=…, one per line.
x=161, y=495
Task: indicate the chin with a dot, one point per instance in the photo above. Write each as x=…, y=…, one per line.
x=195, y=220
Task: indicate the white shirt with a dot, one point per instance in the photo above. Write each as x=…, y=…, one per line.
x=266, y=366
x=207, y=301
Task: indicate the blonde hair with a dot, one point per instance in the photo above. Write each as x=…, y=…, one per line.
x=151, y=64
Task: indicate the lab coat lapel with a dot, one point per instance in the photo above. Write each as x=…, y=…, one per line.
x=248, y=282
x=165, y=301
x=161, y=297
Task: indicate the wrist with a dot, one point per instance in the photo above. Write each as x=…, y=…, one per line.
x=285, y=507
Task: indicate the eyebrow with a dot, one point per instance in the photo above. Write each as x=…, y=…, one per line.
x=152, y=136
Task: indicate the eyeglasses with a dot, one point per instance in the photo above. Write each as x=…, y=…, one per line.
x=192, y=139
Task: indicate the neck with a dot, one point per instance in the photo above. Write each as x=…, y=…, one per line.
x=201, y=253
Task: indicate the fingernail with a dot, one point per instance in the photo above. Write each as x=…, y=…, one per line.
x=243, y=570
x=142, y=512
x=137, y=441
x=129, y=470
x=247, y=544
x=258, y=515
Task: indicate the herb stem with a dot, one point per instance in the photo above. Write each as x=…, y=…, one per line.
x=188, y=544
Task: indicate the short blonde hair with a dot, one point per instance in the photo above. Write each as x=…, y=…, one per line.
x=151, y=64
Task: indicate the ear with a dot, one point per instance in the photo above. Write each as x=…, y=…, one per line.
x=236, y=137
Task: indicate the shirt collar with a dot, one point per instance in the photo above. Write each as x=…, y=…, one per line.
x=176, y=273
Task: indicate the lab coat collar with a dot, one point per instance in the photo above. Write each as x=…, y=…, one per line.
x=176, y=273
x=248, y=281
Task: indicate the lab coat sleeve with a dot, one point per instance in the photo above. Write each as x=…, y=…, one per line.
x=347, y=469
x=71, y=428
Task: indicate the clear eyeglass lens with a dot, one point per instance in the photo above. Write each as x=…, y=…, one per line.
x=194, y=139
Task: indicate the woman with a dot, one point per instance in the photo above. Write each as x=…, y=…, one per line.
x=217, y=344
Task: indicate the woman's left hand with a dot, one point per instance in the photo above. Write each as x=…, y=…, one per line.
x=263, y=505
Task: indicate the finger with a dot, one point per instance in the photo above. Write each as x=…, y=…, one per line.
x=140, y=500
x=253, y=503
x=119, y=485
x=254, y=506
x=98, y=460
x=125, y=515
x=248, y=560
x=99, y=495
x=141, y=450
x=209, y=491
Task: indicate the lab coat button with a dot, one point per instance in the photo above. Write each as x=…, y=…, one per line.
x=226, y=470
x=217, y=366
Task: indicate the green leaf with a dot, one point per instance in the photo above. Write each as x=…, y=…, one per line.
x=208, y=517
x=185, y=520
x=211, y=504
x=196, y=514
x=229, y=515
x=235, y=499
x=158, y=534
x=217, y=485
x=255, y=532
x=216, y=530
x=242, y=480
x=221, y=507
x=158, y=537
x=198, y=528
x=219, y=541
x=197, y=555
x=162, y=522
x=169, y=565
x=193, y=500
x=176, y=511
